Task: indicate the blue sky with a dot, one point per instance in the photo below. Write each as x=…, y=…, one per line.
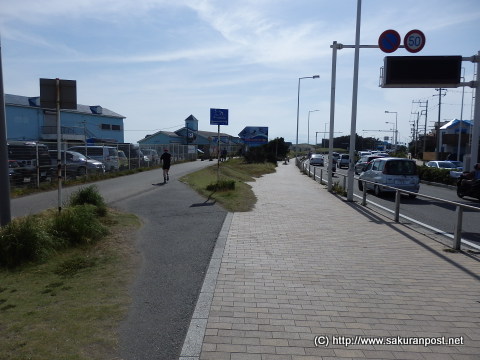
x=158, y=61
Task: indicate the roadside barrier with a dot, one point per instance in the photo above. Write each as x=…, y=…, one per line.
x=459, y=207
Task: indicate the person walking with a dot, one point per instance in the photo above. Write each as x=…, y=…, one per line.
x=165, y=159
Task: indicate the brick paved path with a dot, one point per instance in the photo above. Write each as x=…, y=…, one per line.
x=305, y=263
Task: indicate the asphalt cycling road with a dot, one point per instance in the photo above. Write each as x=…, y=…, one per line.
x=175, y=244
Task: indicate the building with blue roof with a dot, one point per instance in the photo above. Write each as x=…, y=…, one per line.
x=26, y=120
x=454, y=132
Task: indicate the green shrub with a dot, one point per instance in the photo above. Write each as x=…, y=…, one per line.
x=25, y=239
x=337, y=188
x=436, y=175
x=89, y=195
x=78, y=225
x=222, y=185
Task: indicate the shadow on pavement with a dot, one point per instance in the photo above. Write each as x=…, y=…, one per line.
x=373, y=217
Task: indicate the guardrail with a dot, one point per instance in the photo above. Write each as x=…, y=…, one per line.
x=459, y=207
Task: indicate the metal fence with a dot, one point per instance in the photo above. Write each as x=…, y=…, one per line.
x=31, y=163
x=459, y=207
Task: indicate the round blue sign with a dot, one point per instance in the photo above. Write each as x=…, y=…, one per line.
x=389, y=41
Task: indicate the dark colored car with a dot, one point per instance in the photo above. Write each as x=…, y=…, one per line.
x=17, y=175
x=33, y=159
x=134, y=154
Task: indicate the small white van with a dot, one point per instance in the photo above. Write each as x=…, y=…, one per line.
x=393, y=172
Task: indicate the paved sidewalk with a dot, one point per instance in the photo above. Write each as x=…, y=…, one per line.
x=304, y=263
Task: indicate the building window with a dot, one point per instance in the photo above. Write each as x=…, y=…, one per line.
x=106, y=127
x=116, y=127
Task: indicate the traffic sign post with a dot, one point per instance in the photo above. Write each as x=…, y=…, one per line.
x=218, y=117
x=414, y=41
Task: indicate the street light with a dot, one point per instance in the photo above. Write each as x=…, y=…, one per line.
x=298, y=104
x=396, y=125
x=308, y=130
x=393, y=132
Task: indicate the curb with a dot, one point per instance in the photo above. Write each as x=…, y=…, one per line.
x=192, y=346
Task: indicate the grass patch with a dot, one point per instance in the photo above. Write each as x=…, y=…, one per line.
x=236, y=197
x=339, y=189
x=69, y=307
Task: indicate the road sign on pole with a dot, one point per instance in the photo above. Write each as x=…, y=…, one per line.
x=389, y=41
x=218, y=116
x=414, y=41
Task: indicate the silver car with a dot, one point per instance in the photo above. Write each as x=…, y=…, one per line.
x=393, y=172
x=76, y=164
x=317, y=160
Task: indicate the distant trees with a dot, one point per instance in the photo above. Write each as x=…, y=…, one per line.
x=275, y=150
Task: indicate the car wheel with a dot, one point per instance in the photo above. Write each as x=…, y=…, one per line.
x=377, y=191
x=82, y=171
x=412, y=196
x=460, y=193
x=360, y=185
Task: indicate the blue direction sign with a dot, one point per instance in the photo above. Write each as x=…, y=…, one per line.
x=218, y=116
x=389, y=41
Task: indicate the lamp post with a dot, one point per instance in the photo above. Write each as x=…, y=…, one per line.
x=308, y=129
x=396, y=125
x=393, y=132
x=298, y=105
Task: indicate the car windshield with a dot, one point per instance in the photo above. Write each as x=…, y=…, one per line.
x=446, y=165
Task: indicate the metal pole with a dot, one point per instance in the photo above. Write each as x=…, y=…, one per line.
x=298, y=111
x=59, y=144
x=457, y=239
x=5, y=214
x=396, y=131
x=332, y=112
x=461, y=119
x=354, y=106
x=364, y=193
x=397, y=206
x=425, y=134
x=476, y=117
x=218, y=156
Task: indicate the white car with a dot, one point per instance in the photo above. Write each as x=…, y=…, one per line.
x=317, y=160
x=393, y=172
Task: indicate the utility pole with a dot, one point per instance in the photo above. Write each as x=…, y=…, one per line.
x=421, y=104
x=5, y=212
x=440, y=94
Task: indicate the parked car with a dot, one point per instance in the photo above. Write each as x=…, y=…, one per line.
x=123, y=160
x=363, y=161
x=317, y=160
x=458, y=164
x=134, y=154
x=33, y=158
x=394, y=172
x=447, y=165
x=152, y=156
x=343, y=160
x=108, y=155
x=76, y=164
x=17, y=175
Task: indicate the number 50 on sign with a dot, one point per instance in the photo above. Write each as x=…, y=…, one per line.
x=414, y=41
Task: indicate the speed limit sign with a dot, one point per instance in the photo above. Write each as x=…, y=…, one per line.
x=414, y=41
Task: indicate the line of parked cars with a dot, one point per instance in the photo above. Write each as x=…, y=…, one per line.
x=32, y=162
